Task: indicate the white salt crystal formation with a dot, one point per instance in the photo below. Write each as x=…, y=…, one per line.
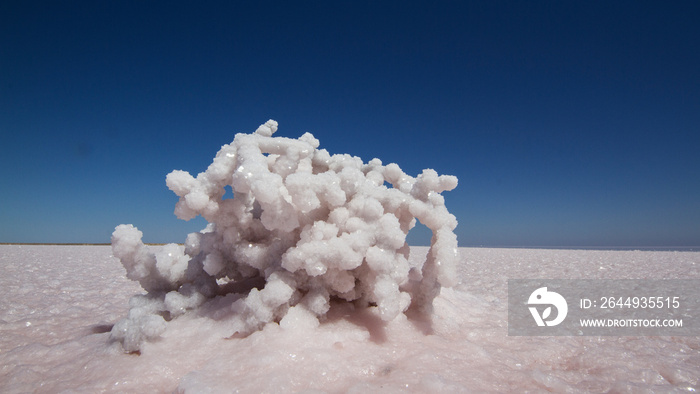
x=303, y=227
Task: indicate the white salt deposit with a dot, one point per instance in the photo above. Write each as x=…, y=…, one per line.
x=59, y=302
x=303, y=228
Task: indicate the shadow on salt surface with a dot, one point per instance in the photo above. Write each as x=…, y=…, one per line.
x=351, y=351
x=362, y=318
x=100, y=328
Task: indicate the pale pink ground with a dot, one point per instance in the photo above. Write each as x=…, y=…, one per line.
x=58, y=303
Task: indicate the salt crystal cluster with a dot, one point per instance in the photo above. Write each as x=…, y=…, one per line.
x=303, y=228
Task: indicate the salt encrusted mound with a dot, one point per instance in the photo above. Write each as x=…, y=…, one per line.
x=303, y=226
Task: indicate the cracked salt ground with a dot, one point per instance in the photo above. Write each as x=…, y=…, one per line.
x=464, y=349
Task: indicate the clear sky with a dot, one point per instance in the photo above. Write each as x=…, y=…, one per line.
x=567, y=123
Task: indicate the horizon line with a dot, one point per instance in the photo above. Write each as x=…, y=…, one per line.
x=567, y=247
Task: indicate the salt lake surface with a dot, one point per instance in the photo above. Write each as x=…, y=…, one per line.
x=59, y=302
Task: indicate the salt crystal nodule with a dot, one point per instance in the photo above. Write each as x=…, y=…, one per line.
x=303, y=227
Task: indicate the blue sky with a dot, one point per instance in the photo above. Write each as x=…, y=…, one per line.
x=567, y=123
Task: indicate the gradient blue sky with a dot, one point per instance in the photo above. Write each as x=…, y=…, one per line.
x=567, y=123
